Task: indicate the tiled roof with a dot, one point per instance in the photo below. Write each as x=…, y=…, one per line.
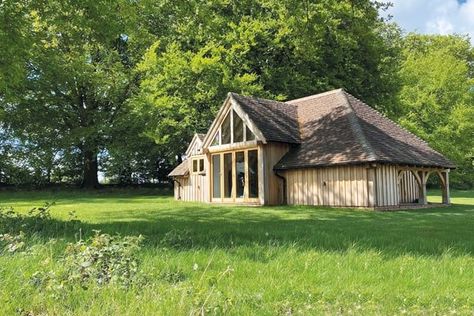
x=336, y=128
x=181, y=170
x=277, y=121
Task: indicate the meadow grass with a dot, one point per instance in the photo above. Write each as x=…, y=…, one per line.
x=208, y=259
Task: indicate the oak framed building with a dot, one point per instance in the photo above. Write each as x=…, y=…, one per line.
x=327, y=149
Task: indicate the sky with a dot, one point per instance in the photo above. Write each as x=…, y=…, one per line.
x=435, y=16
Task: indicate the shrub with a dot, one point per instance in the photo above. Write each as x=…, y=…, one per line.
x=41, y=213
x=37, y=219
x=103, y=259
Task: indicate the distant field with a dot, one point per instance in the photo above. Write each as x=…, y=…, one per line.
x=252, y=260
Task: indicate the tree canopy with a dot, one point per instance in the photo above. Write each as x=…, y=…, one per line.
x=270, y=49
x=437, y=97
x=78, y=77
x=120, y=87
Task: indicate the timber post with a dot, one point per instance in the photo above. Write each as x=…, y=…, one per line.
x=445, y=180
x=423, y=178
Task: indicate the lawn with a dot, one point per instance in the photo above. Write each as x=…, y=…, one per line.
x=203, y=259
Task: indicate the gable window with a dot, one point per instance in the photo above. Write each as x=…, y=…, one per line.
x=217, y=139
x=238, y=128
x=226, y=131
x=232, y=130
x=248, y=134
x=198, y=165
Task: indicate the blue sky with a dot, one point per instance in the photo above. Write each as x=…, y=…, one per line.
x=435, y=16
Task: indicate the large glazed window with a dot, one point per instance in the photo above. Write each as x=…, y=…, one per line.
x=216, y=176
x=228, y=181
x=253, y=173
x=239, y=174
x=235, y=175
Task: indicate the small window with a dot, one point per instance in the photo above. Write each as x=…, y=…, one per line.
x=198, y=165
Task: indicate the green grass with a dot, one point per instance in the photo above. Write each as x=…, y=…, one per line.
x=256, y=260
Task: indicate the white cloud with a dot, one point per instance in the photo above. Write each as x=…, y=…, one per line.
x=435, y=16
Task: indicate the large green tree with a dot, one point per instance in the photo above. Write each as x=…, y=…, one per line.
x=437, y=97
x=268, y=48
x=79, y=74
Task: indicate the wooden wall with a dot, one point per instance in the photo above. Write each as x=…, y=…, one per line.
x=386, y=185
x=182, y=189
x=395, y=186
x=273, y=185
x=408, y=186
x=195, y=186
x=347, y=186
x=332, y=186
x=358, y=186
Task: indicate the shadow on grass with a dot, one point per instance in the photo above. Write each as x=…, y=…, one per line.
x=429, y=232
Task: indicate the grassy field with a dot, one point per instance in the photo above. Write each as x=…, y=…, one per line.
x=202, y=259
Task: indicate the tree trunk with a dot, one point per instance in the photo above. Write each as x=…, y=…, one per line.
x=90, y=168
x=48, y=176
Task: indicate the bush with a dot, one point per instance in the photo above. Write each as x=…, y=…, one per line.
x=103, y=259
x=37, y=219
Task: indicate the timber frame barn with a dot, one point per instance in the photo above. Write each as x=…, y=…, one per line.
x=328, y=149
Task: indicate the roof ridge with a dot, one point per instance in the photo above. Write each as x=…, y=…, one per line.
x=357, y=129
x=254, y=97
x=292, y=102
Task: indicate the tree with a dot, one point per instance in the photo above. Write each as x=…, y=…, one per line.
x=437, y=98
x=80, y=73
x=274, y=49
x=16, y=42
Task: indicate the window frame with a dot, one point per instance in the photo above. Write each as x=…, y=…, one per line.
x=233, y=197
x=245, y=129
x=199, y=164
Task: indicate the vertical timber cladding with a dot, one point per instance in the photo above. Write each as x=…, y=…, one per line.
x=182, y=191
x=408, y=187
x=331, y=186
x=195, y=187
x=386, y=185
x=273, y=185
